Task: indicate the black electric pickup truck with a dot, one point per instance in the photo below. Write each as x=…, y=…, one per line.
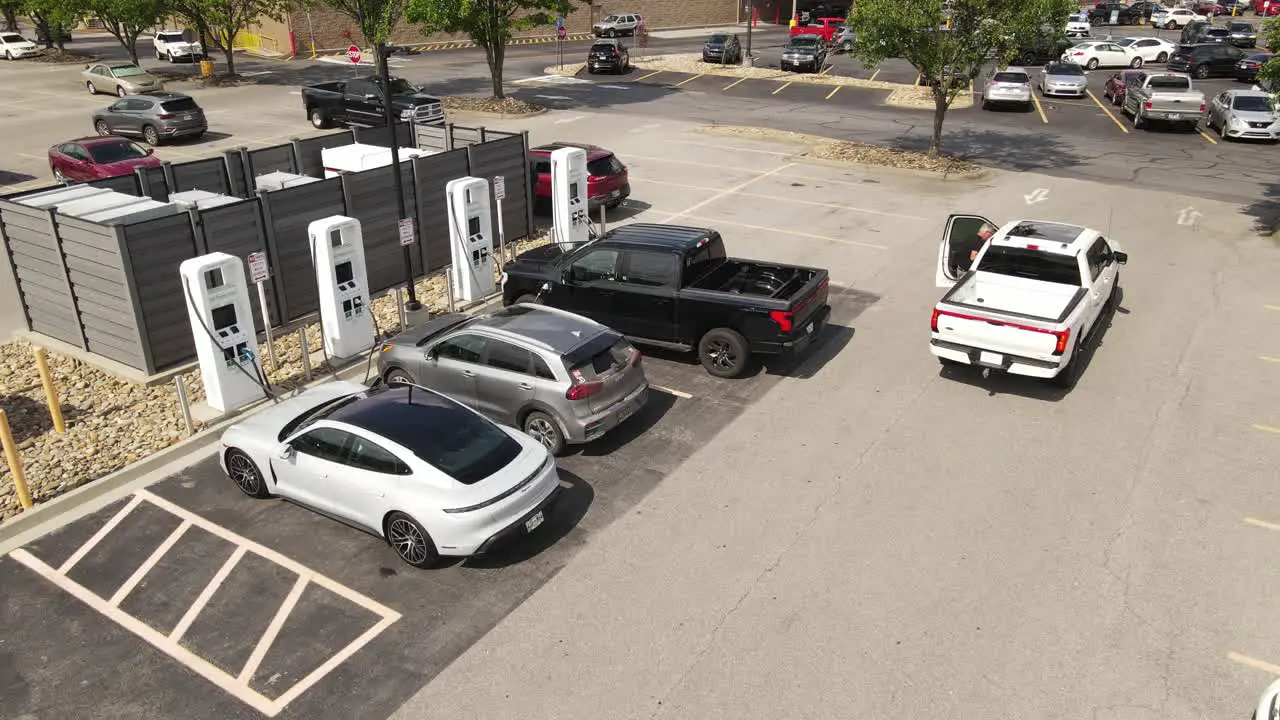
x=358, y=102
x=673, y=287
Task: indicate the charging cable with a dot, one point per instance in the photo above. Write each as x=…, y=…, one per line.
x=377, y=339
x=260, y=380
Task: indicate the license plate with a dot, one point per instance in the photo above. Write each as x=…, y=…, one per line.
x=614, y=195
x=626, y=412
x=532, y=523
x=1175, y=116
x=987, y=358
x=809, y=329
x=186, y=117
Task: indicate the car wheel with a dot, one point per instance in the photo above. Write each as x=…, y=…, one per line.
x=120, y=91
x=319, y=120
x=1170, y=25
x=410, y=541
x=245, y=474
x=158, y=57
x=59, y=177
x=89, y=86
x=396, y=375
x=101, y=127
x=1136, y=63
x=1092, y=64
x=8, y=55
x=1162, y=57
x=723, y=352
x=1138, y=121
x=1070, y=374
x=151, y=135
x=1201, y=71
x=544, y=428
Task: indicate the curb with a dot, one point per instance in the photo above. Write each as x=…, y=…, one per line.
x=501, y=116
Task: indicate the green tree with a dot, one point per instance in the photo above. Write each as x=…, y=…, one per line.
x=9, y=13
x=950, y=48
x=1269, y=73
x=375, y=18
x=52, y=19
x=220, y=22
x=489, y=23
x=126, y=20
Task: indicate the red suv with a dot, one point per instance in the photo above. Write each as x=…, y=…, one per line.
x=607, y=182
x=92, y=158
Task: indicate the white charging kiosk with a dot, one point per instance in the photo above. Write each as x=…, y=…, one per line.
x=217, y=297
x=337, y=249
x=569, y=197
x=471, y=238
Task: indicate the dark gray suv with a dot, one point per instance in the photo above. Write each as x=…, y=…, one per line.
x=562, y=378
x=155, y=117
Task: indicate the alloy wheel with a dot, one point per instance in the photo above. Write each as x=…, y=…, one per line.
x=59, y=177
x=120, y=91
x=407, y=540
x=244, y=474
x=541, y=430
x=101, y=128
x=150, y=135
x=722, y=356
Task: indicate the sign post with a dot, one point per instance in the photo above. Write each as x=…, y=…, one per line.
x=561, y=34
x=258, y=274
x=500, y=192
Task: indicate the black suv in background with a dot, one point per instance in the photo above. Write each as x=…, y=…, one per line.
x=722, y=49
x=1207, y=60
x=1042, y=50
x=608, y=56
x=1242, y=34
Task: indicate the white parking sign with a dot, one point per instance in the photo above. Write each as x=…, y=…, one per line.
x=257, y=267
x=499, y=187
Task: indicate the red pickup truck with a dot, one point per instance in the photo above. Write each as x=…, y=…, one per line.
x=825, y=27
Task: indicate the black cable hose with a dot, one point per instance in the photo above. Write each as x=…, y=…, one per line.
x=377, y=337
x=266, y=389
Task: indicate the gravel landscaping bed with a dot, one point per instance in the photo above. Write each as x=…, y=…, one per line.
x=825, y=148
x=495, y=106
x=112, y=423
x=62, y=57
x=921, y=98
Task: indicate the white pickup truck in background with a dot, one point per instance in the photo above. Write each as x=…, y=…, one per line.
x=1024, y=297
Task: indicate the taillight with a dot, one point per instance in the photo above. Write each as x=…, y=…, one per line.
x=1146, y=106
x=584, y=390
x=1033, y=247
x=783, y=318
x=166, y=116
x=1063, y=337
x=933, y=322
x=1201, y=107
x=635, y=357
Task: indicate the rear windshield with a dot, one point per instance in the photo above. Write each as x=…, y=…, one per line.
x=1169, y=82
x=1012, y=77
x=463, y=445
x=115, y=152
x=1217, y=32
x=170, y=37
x=700, y=261
x=611, y=358
x=185, y=104
x=1033, y=264
x=604, y=48
x=1252, y=103
x=1064, y=69
x=604, y=166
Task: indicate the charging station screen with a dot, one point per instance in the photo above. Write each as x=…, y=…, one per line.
x=473, y=227
x=224, y=317
x=573, y=190
x=344, y=272
x=335, y=238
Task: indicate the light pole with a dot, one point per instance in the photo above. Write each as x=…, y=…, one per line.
x=380, y=51
x=751, y=10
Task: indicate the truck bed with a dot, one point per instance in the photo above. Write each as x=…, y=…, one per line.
x=1019, y=297
x=743, y=277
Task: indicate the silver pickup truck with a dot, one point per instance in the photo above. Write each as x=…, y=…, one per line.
x=1163, y=96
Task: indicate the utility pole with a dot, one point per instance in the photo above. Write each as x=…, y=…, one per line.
x=748, y=61
x=380, y=51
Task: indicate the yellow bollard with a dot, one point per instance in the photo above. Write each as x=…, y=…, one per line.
x=50, y=393
x=15, y=461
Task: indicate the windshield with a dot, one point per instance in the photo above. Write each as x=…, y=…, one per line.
x=115, y=152
x=127, y=71
x=1033, y=264
x=12, y=38
x=400, y=86
x=1252, y=103
x=1169, y=82
x=318, y=412
x=717, y=39
x=1126, y=42
x=611, y=18
x=1064, y=69
x=805, y=43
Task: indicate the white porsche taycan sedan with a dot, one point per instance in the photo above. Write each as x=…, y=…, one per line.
x=402, y=462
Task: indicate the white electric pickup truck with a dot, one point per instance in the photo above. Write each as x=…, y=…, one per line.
x=1023, y=297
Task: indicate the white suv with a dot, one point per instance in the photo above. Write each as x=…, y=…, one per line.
x=173, y=46
x=617, y=24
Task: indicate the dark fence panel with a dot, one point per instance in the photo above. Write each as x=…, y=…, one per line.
x=381, y=136
x=433, y=137
x=505, y=157
x=431, y=174
x=152, y=251
x=464, y=136
x=209, y=175
x=238, y=230
x=370, y=197
x=277, y=158
x=154, y=182
x=308, y=152
x=40, y=271
x=286, y=214
x=100, y=289
x=240, y=186
x=120, y=183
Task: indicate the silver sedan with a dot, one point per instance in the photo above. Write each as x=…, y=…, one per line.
x=1244, y=114
x=1063, y=79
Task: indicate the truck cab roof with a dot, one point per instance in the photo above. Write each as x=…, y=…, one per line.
x=672, y=238
x=1051, y=237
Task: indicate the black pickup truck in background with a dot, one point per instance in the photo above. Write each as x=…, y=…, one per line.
x=673, y=287
x=358, y=102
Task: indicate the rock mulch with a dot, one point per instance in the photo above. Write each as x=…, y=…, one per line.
x=492, y=105
x=112, y=423
x=849, y=151
x=54, y=56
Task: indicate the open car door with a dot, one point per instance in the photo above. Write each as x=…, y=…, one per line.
x=964, y=237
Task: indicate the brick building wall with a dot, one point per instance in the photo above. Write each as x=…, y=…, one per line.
x=333, y=30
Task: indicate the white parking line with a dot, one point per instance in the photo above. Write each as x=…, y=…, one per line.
x=575, y=118
x=785, y=231
x=725, y=193
x=1254, y=663
x=732, y=148
x=646, y=128
x=834, y=206
x=170, y=644
x=669, y=391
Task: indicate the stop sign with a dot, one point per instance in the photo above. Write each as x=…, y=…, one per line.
x=353, y=53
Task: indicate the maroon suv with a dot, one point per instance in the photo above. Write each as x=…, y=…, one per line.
x=94, y=158
x=607, y=182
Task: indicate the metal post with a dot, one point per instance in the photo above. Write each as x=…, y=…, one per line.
x=747, y=61
x=390, y=116
x=306, y=353
x=266, y=327
x=50, y=392
x=448, y=281
x=404, y=324
x=603, y=228
x=184, y=404
x=15, y=462
x=502, y=237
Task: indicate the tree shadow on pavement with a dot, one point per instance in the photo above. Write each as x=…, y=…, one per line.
x=999, y=149
x=1265, y=211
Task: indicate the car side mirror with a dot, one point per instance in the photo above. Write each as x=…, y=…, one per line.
x=1120, y=257
x=150, y=151
x=546, y=286
x=285, y=452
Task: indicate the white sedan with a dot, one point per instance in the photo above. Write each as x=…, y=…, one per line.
x=1102, y=53
x=1151, y=49
x=401, y=462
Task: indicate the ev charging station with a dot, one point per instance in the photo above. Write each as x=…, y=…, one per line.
x=471, y=238
x=217, y=297
x=569, y=197
x=342, y=280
